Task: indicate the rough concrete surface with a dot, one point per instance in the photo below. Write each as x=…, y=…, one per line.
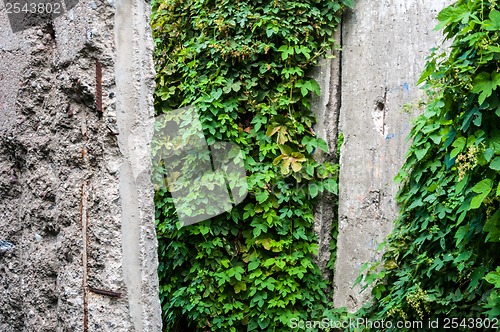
x=384, y=46
x=75, y=194
x=327, y=109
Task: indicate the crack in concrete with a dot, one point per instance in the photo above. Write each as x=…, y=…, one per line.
x=338, y=94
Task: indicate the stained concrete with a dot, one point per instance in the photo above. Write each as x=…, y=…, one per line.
x=75, y=194
x=326, y=108
x=384, y=47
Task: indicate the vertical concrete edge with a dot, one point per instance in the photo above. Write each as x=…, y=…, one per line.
x=135, y=118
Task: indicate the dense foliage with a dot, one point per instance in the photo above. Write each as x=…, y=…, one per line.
x=244, y=66
x=443, y=257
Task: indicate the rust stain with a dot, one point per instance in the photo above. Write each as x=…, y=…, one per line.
x=98, y=86
x=85, y=310
x=105, y=292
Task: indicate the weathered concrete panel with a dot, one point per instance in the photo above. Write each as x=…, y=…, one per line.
x=75, y=192
x=326, y=108
x=385, y=44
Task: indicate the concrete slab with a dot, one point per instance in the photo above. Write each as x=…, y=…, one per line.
x=385, y=44
x=76, y=200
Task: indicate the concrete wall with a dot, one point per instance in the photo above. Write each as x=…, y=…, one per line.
x=75, y=193
x=384, y=46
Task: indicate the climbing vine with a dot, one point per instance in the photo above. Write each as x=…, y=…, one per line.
x=244, y=65
x=442, y=259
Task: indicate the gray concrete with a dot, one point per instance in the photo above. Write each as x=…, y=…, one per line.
x=385, y=44
x=75, y=197
x=327, y=110
x=135, y=84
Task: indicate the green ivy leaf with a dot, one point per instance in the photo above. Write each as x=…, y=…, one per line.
x=315, y=87
x=286, y=51
x=323, y=145
x=348, y=3
x=475, y=277
x=377, y=291
x=262, y=196
x=331, y=186
x=216, y=94
x=253, y=265
x=313, y=190
x=259, y=229
x=492, y=227
x=304, y=50
x=493, y=24
x=463, y=256
x=494, y=277
x=485, y=83
x=488, y=154
x=420, y=153
x=477, y=201
x=495, y=164
x=390, y=265
x=240, y=286
x=264, y=322
x=461, y=234
x=458, y=145
x=483, y=186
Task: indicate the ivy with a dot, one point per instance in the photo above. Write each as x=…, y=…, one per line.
x=442, y=259
x=244, y=65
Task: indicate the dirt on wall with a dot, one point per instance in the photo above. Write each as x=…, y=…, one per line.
x=61, y=179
